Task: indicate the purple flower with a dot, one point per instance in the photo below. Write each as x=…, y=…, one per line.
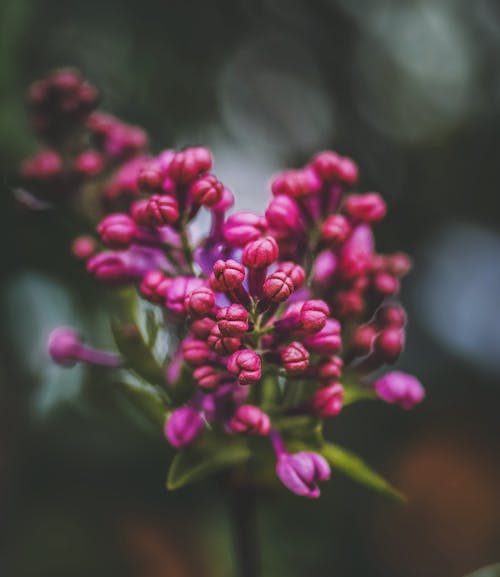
x=301, y=472
x=400, y=388
x=183, y=426
x=66, y=348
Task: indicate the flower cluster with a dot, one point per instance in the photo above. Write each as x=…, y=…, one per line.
x=282, y=317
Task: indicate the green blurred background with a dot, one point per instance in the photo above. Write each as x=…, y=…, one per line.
x=411, y=90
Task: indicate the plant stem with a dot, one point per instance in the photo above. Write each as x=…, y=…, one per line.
x=242, y=503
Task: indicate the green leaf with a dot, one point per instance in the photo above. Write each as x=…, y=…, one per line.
x=195, y=463
x=355, y=393
x=490, y=571
x=352, y=466
x=146, y=398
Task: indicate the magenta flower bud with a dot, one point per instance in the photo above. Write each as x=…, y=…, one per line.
x=162, y=209
x=66, y=349
x=348, y=304
x=124, y=181
x=362, y=340
x=154, y=286
x=348, y=171
x=389, y=344
x=201, y=328
x=227, y=275
x=200, y=302
x=207, y=191
x=117, y=230
x=356, y=253
x=327, y=165
x=207, y=377
x=117, y=267
x=294, y=271
x=221, y=344
x=295, y=358
x=232, y=320
x=246, y=366
x=150, y=177
x=400, y=388
x=391, y=316
x=398, y=264
x=327, y=401
x=177, y=291
x=260, y=253
x=243, y=227
x=83, y=247
x=385, y=284
x=302, y=471
x=251, y=420
x=186, y=165
x=325, y=266
x=283, y=215
x=89, y=163
x=327, y=341
x=365, y=207
x=44, y=166
x=330, y=369
x=335, y=230
x=183, y=427
x=195, y=352
x=307, y=316
x=296, y=183
x=226, y=201
x=278, y=287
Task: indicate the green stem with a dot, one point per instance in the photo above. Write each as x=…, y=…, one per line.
x=186, y=247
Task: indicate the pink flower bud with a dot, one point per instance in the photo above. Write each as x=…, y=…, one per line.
x=221, y=344
x=389, y=344
x=385, y=284
x=260, y=253
x=391, y=316
x=301, y=472
x=356, y=253
x=177, y=291
x=189, y=163
x=154, y=286
x=398, y=264
x=325, y=266
x=232, y=320
x=365, y=207
x=243, y=227
x=89, y=163
x=162, y=209
x=327, y=165
x=66, y=348
x=183, y=427
x=278, y=287
x=200, y=302
x=362, y=340
x=327, y=341
x=296, y=183
x=335, y=230
x=348, y=171
x=400, y=388
x=207, y=377
x=139, y=212
x=83, y=247
x=348, y=304
x=124, y=181
x=207, y=191
x=227, y=275
x=295, y=358
x=327, y=401
x=150, y=177
x=201, y=328
x=251, y=420
x=283, y=215
x=44, y=166
x=117, y=267
x=307, y=316
x=330, y=369
x=117, y=230
x=195, y=352
x=294, y=271
x=246, y=366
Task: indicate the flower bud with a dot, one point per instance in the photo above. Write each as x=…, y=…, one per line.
x=335, y=230
x=227, y=275
x=139, y=212
x=283, y=215
x=296, y=183
x=348, y=304
x=232, y=320
x=189, y=163
x=221, y=344
x=327, y=341
x=400, y=388
x=183, y=427
x=63, y=346
x=83, y=247
x=389, y=344
x=154, y=286
x=207, y=377
x=251, y=420
x=325, y=266
x=117, y=230
x=200, y=302
x=150, y=177
x=294, y=271
x=162, y=209
x=391, y=316
x=89, y=163
x=243, y=227
x=246, y=366
x=385, y=284
x=398, y=264
x=260, y=253
x=348, y=171
x=117, y=267
x=362, y=340
x=177, y=291
x=307, y=316
x=201, y=328
x=327, y=401
x=356, y=254
x=330, y=369
x=301, y=472
x=195, y=352
x=278, y=287
x=123, y=184
x=365, y=207
x=295, y=358
x=207, y=191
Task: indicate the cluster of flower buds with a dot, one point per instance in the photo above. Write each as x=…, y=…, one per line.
x=280, y=315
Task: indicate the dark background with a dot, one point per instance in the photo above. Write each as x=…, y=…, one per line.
x=411, y=90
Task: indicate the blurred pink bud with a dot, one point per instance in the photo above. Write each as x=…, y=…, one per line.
x=327, y=401
x=207, y=191
x=391, y=316
x=117, y=230
x=150, y=177
x=188, y=164
x=330, y=369
x=296, y=183
x=89, y=163
x=365, y=207
x=200, y=302
x=400, y=388
x=251, y=420
x=154, y=286
x=327, y=341
x=183, y=427
x=207, y=377
x=177, y=291
x=302, y=471
x=335, y=230
x=201, y=328
x=295, y=358
x=389, y=344
x=195, y=352
x=83, y=247
x=243, y=227
x=283, y=215
x=162, y=209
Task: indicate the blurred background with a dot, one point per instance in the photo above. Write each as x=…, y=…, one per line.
x=408, y=88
